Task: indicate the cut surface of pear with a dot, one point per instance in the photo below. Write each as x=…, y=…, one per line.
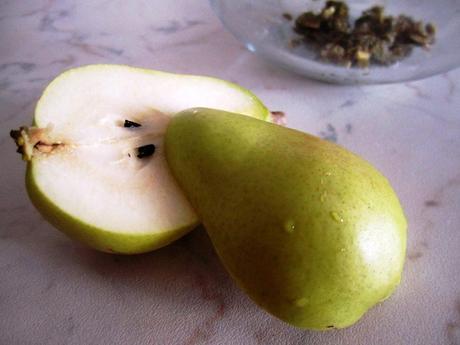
x=313, y=233
x=85, y=172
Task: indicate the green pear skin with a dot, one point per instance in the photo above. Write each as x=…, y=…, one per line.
x=312, y=233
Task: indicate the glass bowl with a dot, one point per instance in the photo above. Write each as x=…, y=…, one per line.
x=261, y=27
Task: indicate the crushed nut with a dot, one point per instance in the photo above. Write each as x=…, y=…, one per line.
x=373, y=38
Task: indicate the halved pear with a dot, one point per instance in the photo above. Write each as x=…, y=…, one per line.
x=96, y=166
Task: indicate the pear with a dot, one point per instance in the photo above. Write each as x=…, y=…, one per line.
x=311, y=232
x=96, y=167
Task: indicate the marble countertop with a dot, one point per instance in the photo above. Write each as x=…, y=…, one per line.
x=55, y=291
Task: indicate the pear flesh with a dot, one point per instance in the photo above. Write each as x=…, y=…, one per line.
x=313, y=233
x=87, y=173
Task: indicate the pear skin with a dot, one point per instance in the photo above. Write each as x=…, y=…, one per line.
x=314, y=234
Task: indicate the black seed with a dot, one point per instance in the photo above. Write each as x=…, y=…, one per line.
x=330, y=326
x=145, y=151
x=130, y=124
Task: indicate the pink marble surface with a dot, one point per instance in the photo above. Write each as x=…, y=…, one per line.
x=54, y=291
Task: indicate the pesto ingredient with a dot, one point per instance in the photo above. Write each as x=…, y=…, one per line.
x=374, y=37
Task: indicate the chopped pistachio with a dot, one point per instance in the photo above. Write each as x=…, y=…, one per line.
x=362, y=58
x=328, y=12
x=333, y=52
x=308, y=21
x=373, y=38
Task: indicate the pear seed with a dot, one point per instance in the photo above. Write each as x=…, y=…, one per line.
x=145, y=151
x=130, y=124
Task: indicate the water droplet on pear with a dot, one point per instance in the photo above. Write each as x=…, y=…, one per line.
x=289, y=226
x=336, y=217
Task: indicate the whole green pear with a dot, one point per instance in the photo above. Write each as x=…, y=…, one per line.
x=312, y=233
